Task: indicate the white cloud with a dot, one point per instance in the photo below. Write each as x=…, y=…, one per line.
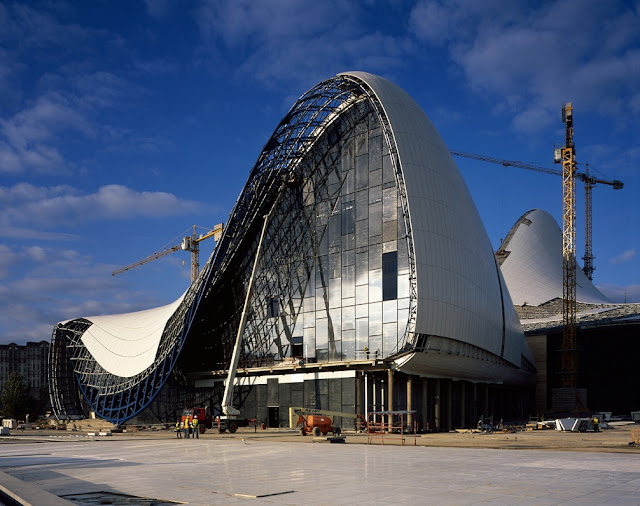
x=45, y=110
x=620, y=293
x=36, y=253
x=532, y=57
x=623, y=257
x=533, y=118
x=24, y=192
x=245, y=22
x=289, y=40
x=101, y=89
x=28, y=317
x=67, y=284
x=25, y=138
x=157, y=8
x=8, y=257
x=10, y=92
x=37, y=28
x=32, y=233
x=28, y=204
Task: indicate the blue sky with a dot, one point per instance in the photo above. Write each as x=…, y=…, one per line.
x=124, y=123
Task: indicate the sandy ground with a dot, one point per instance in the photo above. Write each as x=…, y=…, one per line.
x=614, y=440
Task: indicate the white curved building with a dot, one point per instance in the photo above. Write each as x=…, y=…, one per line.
x=376, y=272
x=531, y=263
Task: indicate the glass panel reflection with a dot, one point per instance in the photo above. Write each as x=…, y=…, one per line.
x=336, y=250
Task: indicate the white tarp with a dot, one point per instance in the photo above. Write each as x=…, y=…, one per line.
x=126, y=344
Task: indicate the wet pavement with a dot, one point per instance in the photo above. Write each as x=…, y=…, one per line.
x=158, y=469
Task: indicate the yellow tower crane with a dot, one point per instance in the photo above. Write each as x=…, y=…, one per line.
x=567, y=157
x=189, y=243
x=589, y=183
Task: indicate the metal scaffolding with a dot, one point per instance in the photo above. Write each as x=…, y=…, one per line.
x=309, y=240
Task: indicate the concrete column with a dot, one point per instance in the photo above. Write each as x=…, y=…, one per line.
x=507, y=405
x=409, y=401
x=463, y=402
x=438, y=405
x=390, y=395
x=449, y=424
x=485, y=400
x=359, y=396
x=373, y=405
x=425, y=404
x=475, y=404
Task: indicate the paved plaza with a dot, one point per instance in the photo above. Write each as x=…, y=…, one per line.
x=258, y=471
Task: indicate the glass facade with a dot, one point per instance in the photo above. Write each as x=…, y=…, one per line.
x=332, y=283
x=333, y=280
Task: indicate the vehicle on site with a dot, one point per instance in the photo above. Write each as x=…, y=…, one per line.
x=316, y=425
x=204, y=420
x=308, y=419
x=230, y=423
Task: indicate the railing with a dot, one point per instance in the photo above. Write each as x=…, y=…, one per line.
x=394, y=429
x=360, y=355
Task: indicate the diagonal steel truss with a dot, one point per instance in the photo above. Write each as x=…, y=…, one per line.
x=303, y=145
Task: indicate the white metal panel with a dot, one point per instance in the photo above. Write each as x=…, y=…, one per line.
x=126, y=344
x=533, y=268
x=458, y=281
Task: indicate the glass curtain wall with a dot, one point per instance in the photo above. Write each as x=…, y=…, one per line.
x=332, y=283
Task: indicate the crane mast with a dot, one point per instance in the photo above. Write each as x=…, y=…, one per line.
x=587, y=259
x=567, y=157
x=569, y=344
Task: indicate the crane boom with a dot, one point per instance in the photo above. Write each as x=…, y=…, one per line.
x=189, y=243
x=153, y=256
x=506, y=163
x=584, y=176
x=589, y=183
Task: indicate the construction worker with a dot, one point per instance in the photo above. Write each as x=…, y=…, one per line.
x=185, y=427
x=179, y=429
x=196, y=432
x=596, y=424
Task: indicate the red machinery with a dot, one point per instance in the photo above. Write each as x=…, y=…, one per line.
x=204, y=421
x=316, y=425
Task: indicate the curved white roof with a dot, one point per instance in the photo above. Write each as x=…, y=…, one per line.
x=461, y=294
x=126, y=344
x=459, y=282
x=533, y=264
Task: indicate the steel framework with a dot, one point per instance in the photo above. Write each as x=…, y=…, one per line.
x=588, y=257
x=589, y=183
x=569, y=351
x=306, y=144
